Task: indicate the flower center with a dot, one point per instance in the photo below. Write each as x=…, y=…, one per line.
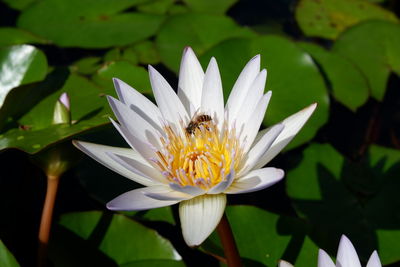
x=200, y=156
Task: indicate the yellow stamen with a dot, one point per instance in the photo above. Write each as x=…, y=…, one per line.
x=203, y=158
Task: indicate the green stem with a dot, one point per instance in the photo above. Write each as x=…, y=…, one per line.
x=47, y=214
x=228, y=242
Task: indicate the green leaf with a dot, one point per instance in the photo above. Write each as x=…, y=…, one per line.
x=89, y=23
x=34, y=141
x=178, y=9
x=359, y=199
x=89, y=109
x=147, y=52
x=266, y=237
x=29, y=94
x=383, y=210
x=292, y=76
x=199, y=31
x=328, y=18
x=374, y=46
x=6, y=258
x=210, y=6
x=20, y=64
x=86, y=66
x=155, y=263
x=19, y=4
x=160, y=214
x=113, y=54
x=85, y=97
x=121, y=239
x=14, y=36
x=348, y=84
x=156, y=6
x=133, y=75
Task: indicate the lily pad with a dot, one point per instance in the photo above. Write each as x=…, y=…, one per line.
x=119, y=238
x=89, y=23
x=133, y=75
x=89, y=109
x=155, y=263
x=156, y=6
x=293, y=78
x=6, y=258
x=328, y=18
x=86, y=66
x=14, y=36
x=200, y=31
x=374, y=46
x=19, y=4
x=210, y=6
x=20, y=64
x=358, y=199
x=147, y=52
x=349, y=85
x=264, y=238
x=30, y=94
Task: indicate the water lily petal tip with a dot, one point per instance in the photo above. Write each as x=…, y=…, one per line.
x=151, y=69
x=64, y=99
x=77, y=144
x=345, y=239
x=110, y=206
x=283, y=263
x=374, y=260
x=187, y=49
x=345, y=243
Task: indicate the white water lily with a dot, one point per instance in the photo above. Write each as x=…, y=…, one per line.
x=346, y=257
x=195, y=164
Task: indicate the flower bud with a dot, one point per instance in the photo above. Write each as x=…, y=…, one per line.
x=62, y=111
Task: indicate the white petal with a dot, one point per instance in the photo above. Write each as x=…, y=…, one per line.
x=212, y=101
x=168, y=195
x=188, y=189
x=98, y=153
x=324, y=260
x=136, y=200
x=146, y=150
x=259, y=135
x=241, y=87
x=200, y=216
x=293, y=124
x=138, y=103
x=256, y=180
x=190, y=83
x=167, y=101
x=139, y=168
x=374, y=260
x=223, y=185
x=283, y=263
x=250, y=101
x=347, y=255
x=260, y=148
x=134, y=123
x=251, y=127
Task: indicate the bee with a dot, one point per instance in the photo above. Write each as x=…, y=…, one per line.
x=197, y=121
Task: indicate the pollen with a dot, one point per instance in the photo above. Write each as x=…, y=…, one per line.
x=202, y=157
